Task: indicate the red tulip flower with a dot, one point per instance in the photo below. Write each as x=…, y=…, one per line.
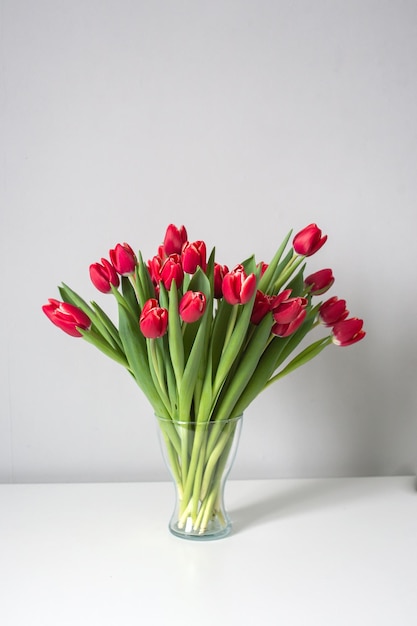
x=103, y=276
x=154, y=268
x=67, y=317
x=277, y=300
x=171, y=269
x=193, y=256
x=288, y=310
x=174, y=239
x=285, y=330
x=348, y=331
x=261, y=307
x=309, y=240
x=153, y=321
x=238, y=288
x=319, y=282
x=220, y=272
x=288, y=313
x=333, y=311
x=192, y=306
x=123, y=259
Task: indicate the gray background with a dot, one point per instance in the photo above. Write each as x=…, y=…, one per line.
x=240, y=120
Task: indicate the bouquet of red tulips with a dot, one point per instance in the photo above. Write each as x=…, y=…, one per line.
x=202, y=340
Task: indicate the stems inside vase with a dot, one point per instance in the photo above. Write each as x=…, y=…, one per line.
x=199, y=457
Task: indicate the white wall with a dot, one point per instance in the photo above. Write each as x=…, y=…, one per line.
x=239, y=120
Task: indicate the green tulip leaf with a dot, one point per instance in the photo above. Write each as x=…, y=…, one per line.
x=134, y=345
x=147, y=289
x=102, y=345
x=246, y=367
x=302, y=358
x=175, y=341
x=271, y=274
x=191, y=370
x=130, y=295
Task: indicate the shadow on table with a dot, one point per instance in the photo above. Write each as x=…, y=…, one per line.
x=294, y=499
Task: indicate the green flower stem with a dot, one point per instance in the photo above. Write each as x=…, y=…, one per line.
x=213, y=456
x=182, y=519
x=157, y=373
x=106, y=326
x=303, y=357
x=233, y=346
x=123, y=301
x=186, y=283
x=190, y=374
x=137, y=287
x=130, y=295
x=248, y=362
x=213, y=505
x=218, y=509
x=211, y=501
x=216, y=432
x=208, y=511
x=287, y=272
x=195, y=500
x=184, y=437
x=175, y=338
x=230, y=326
x=144, y=279
x=203, y=408
x=99, y=342
x=192, y=475
x=172, y=388
x=220, y=321
x=173, y=461
x=269, y=277
x=190, y=504
x=168, y=429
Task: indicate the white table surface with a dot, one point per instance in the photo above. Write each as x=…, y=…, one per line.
x=329, y=552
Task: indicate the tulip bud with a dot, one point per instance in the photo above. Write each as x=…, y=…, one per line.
x=220, y=272
x=174, y=240
x=192, y=306
x=153, y=320
x=319, y=282
x=308, y=240
x=103, y=276
x=172, y=270
x=67, y=317
x=333, y=311
x=152, y=303
x=348, y=331
x=123, y=259
x=263, y=266
x=261, y=306
x=238, y=288
x=193, y=256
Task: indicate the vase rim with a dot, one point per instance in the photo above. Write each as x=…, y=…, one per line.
x=198, y=422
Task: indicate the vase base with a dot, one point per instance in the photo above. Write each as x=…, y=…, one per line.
x=213, y=531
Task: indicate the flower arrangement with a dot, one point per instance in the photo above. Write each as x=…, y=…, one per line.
x=202, y=341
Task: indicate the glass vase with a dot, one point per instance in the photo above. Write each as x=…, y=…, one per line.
x=199, y=456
